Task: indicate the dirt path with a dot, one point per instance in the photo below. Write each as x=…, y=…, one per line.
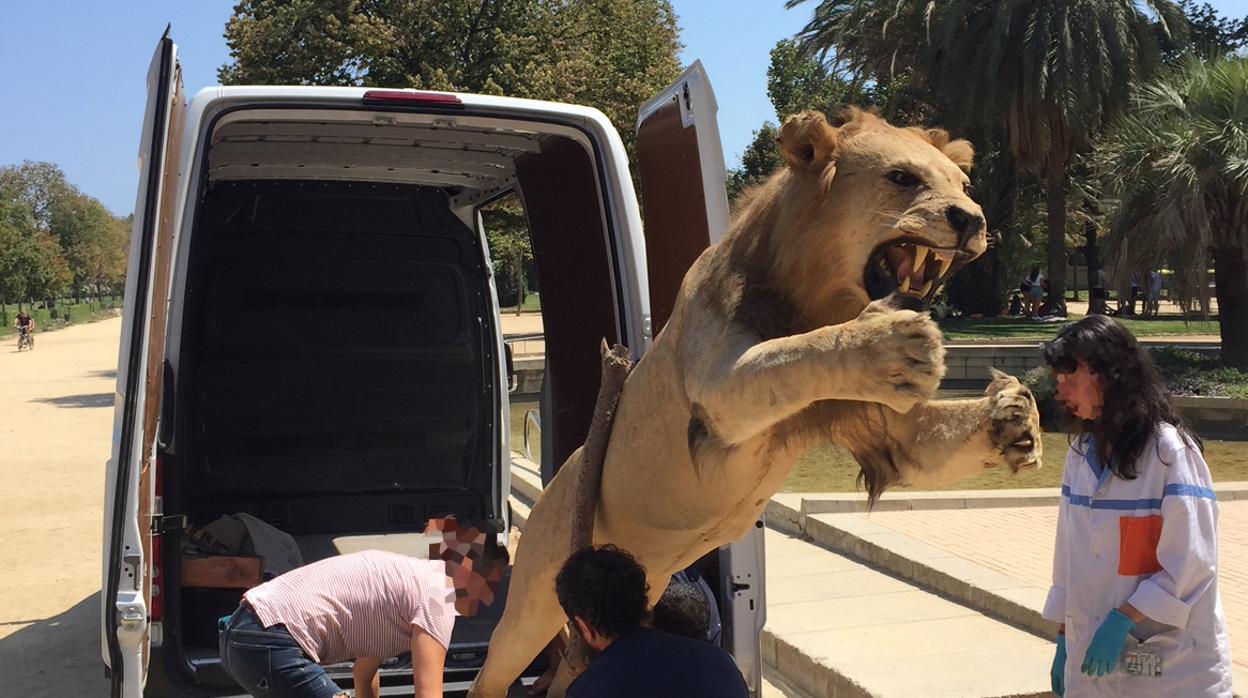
x=56, y=415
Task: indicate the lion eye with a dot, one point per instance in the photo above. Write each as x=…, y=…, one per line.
x=903, y=179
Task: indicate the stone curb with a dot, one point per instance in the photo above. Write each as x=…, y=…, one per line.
x=810, y=503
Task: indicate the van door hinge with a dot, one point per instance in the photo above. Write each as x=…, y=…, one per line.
x=169, y=523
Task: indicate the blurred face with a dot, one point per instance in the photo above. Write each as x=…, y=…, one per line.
x=474, y=578
x=1082, y=391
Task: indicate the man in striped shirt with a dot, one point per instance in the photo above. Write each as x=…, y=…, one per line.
x=367, y=607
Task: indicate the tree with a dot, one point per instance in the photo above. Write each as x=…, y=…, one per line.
x=508, y=237
x=795, y=81
x=1175, y=174
x=1046, y=75
x=69, y=238
x=92, y=239
x=1209, y=34
x=31, y=263
x=610, y=54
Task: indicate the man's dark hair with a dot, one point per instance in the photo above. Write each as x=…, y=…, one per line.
x=683, y=611
x=606, y=587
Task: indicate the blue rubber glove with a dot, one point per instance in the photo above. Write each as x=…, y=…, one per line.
x=1057, y=675
x=1102, y=656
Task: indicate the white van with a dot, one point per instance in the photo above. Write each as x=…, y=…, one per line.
x=311, y=333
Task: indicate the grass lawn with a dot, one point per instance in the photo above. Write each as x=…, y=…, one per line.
x=532, y=304
x=1016, y=328
x=831, y=469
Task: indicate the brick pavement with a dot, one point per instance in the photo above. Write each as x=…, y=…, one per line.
x=1018, y=542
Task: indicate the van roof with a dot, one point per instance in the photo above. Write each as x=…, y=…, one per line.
x=355, y=96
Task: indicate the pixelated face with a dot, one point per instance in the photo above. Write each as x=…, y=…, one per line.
x=1082, y=391
x=474, y=575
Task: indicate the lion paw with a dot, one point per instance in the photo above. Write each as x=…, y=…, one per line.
x=1014, y=423
x=904, y=355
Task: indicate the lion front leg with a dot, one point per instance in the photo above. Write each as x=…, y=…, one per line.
x=739, y=386
x=950, y=440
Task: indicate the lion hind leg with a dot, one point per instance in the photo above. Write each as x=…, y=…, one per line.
x=520, y=636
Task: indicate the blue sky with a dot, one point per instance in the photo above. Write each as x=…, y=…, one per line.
x=74, y=86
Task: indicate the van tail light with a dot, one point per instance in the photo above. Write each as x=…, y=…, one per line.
x=156, y=611
x=410, y=97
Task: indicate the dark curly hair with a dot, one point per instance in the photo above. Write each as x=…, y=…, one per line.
x=1136, y=402
x=606, y=587
x=683, y=610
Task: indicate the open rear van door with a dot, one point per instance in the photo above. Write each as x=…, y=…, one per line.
x=129, y=487
x=685, y=203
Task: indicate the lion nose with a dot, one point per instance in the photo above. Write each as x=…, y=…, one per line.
x=964, y=223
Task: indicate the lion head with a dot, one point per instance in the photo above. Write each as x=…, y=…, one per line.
x=864, y=209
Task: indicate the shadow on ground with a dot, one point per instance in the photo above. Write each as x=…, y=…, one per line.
x=57, y=656
x=110, y=373
x=91, y=400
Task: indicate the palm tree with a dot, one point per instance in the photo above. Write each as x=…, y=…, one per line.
x=1175, y=173
x=1044, y=75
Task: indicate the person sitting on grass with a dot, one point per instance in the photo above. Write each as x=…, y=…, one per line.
x=604, y=592
x=367, y=607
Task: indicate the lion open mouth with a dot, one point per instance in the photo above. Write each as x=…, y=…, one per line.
x=910, y=268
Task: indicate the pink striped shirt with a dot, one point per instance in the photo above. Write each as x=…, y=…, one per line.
x=358, y=605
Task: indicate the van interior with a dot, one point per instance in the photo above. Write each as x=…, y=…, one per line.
x=335, y=356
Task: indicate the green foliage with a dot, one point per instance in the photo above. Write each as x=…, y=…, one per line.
x=53, y=237
x=1199, y=373
x=610, y=54
x=508, y=236
x=1210, y=34
x=1174, y=175
x=796, y=81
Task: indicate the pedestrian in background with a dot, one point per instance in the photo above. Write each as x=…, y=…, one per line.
x=1135, y=587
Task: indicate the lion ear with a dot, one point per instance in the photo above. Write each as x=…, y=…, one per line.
x=806, y=141
x=961, y=152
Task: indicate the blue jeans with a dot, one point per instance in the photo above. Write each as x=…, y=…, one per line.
x=268, y=662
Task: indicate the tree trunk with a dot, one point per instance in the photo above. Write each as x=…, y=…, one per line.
x=1230, y=267
x=519, y=286
x=1055, y=190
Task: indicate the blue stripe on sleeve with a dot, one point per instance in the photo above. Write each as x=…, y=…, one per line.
x=1190, y=491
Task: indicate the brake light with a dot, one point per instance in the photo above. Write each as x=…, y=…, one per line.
x=410, y=97
x=156, y=610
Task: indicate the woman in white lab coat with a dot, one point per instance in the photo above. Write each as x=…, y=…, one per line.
x=1135, y=587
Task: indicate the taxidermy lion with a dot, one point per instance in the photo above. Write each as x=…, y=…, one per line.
x=804, y=325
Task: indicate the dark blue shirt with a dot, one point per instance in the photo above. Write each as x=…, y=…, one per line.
x=646, y=663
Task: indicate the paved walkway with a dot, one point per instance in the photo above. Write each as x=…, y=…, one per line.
x=1018, y=542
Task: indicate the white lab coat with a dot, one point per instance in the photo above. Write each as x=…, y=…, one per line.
x=1108, y=530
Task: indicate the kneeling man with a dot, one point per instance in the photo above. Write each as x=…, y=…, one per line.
x=604, y=591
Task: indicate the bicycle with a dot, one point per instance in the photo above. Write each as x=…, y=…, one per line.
x=25, y=340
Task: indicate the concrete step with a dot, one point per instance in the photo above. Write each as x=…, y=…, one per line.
x=983, y=589
x=839, y=629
